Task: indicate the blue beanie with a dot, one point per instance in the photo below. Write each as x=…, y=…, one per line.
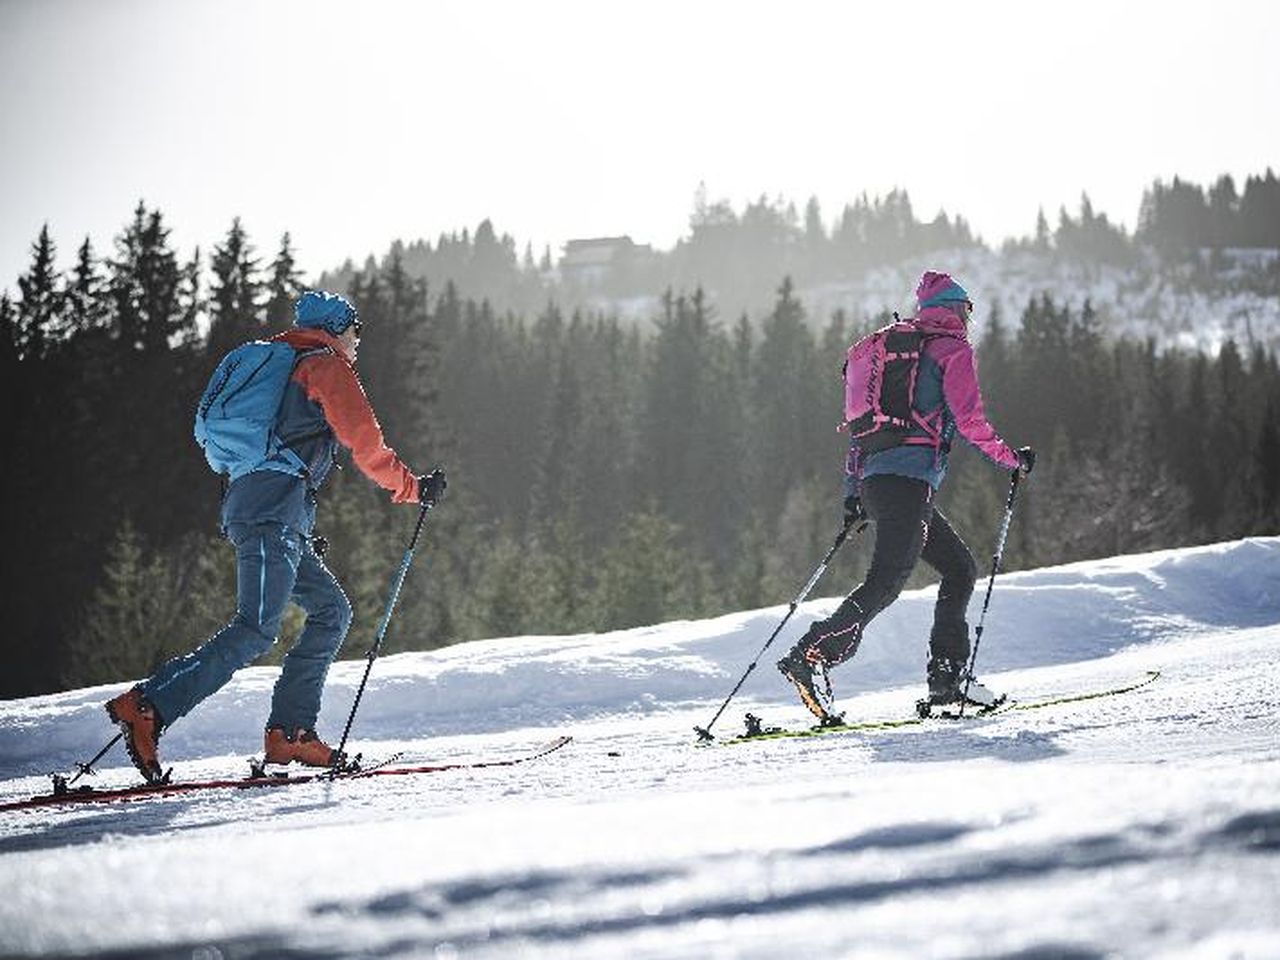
x=325, y=311
x=951, y=292
x=938, y=288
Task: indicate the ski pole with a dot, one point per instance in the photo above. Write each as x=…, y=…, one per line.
x=396, y=584
x=704, y=733
x=991, y=581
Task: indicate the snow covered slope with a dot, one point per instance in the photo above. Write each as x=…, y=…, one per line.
x=1139, y=303
x=1146, y=824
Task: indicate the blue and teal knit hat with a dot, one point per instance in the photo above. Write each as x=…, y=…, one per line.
x=324, y=311
x=938, y=290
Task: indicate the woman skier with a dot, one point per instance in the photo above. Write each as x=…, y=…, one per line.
x=897, y=462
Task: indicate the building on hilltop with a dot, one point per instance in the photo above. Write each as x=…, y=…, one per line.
x=601, y=262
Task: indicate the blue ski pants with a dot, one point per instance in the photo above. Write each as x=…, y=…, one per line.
x=273, y=565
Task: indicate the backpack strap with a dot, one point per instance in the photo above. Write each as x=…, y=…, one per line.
x=293, y=464
x=930, y=425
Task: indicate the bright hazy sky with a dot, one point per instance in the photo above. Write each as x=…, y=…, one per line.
x=351, y=124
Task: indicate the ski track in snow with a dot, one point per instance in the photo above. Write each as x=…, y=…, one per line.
x=1145, y=824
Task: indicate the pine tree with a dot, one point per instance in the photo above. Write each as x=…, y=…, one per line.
x=815, y=242
x=606, y=477
x=794, y=414
x=1042, y=240
x=39, y=313
x=1089, y=373
x=235, y=296
x=283, y=287
x=145, y=283
x=1042, y=395
x=9, y=351
x=1266, y=462
x=810, y=515
x=524, y=588
x=1224, y=214
x=1260, y=211
x=150, y=379
x=560, y=578
x=192, y=305
x=557, y=487
x=1232, y=441
x=687, y=433
x=402, y=362
x=86, y=308
x=149, y=606
x=646, y=577
x=1173, y=219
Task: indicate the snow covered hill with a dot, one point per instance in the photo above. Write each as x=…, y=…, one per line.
x=1145, y=824
x=1139, y=303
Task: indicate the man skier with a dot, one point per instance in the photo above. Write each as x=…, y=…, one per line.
x=269, y=515
x=893, y=478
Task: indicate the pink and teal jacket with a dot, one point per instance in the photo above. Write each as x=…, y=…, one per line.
x=947, y=395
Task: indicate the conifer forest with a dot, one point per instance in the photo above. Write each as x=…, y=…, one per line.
x=604, y=472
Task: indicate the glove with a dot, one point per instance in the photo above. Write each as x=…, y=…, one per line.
x=319, y=545
x=431, y=487
x=853, y=511
x=1026, y=459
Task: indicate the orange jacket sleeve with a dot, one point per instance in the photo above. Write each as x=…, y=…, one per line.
x=330, y=381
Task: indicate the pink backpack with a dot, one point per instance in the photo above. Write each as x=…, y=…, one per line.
x=880, y=373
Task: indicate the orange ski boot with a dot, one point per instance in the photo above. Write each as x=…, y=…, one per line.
x=303, y=746
x=140, y=724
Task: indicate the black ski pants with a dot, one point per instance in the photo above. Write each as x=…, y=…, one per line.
x=907, y=528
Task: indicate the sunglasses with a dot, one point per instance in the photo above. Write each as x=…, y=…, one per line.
x=356, y=325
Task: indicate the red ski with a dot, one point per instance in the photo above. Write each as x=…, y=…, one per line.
x=146, y=791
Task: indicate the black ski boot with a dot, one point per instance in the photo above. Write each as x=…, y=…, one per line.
x=951, y=686
x=943, y=675
x=800, y=666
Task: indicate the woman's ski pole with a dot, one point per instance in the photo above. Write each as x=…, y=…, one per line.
x=995, y=568
x=396, y=584
x=704, y=733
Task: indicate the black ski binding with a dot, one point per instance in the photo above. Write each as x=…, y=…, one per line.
x=350, y=766
x=829, y=721
x=344, y=767
x=258, y=771
x=62, y=786
x=925, y=708
x=755, y=727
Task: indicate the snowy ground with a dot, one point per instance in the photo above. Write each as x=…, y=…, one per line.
x=1146, y=824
